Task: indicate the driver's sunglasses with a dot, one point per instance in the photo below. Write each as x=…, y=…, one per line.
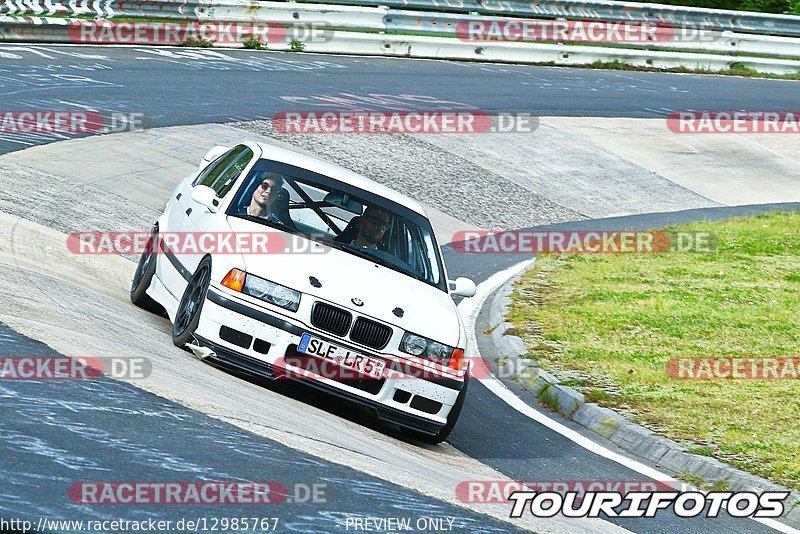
x=378, y=222
x=265, y=186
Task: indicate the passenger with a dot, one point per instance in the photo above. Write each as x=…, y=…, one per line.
x=368, y=229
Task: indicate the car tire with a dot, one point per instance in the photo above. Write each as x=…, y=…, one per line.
x=143, y=276
x=452, y=419
x=187, y=316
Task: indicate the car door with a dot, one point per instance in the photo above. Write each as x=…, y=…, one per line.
x=221, y=179
x=169, y=267
x=188, y=217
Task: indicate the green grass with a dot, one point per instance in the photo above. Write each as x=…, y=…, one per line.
x=736, y=69
x=702, y=484
x=613, y=321
x=197, y=42
x=253, y=43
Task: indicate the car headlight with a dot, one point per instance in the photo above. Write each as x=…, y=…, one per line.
x=271, y=292
x=426, y=348
x=413, y=344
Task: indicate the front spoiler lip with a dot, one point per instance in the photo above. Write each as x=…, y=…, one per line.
x=223, y=300
x=225, y=357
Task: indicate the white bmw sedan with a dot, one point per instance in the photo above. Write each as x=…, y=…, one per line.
x=311, y=272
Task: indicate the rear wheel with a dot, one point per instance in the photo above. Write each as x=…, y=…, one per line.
x=145, y=270
x=452, y=419
x=187, y=317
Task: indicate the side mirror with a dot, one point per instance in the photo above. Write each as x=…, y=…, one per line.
x=211, y=155
x=205, y=196
x=463, y=287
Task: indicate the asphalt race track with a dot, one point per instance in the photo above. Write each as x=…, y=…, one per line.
x=83, y=437
x=173, y=86
x=53, y=435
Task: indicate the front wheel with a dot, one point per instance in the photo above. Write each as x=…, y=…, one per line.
x=452, y=419
x=187, y=317
x=145, y=270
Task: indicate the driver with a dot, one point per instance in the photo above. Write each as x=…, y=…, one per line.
x=265, y=196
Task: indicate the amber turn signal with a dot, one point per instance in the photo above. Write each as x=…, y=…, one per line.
x=234, y=280
x=457, y=359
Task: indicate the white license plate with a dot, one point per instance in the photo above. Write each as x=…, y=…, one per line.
x=364, y=365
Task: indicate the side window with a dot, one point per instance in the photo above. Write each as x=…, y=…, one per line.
x=413, y=248
x=222, y=173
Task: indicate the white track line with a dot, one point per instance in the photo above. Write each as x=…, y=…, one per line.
x=470, y=308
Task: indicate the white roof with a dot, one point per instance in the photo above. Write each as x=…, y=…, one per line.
x=338, y=172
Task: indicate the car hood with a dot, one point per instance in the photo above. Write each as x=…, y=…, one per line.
x=426, y=310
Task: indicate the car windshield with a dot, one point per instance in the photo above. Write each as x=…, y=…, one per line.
x=341, y=216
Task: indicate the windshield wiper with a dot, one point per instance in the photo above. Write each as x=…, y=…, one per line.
x=362, y=253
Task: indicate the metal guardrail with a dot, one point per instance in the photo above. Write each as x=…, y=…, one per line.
x=675, y=16
x=391, y=30
x=43, y=8
x=355, y=17
x=557, y=54
x=454, y=25
x=57, y=30
x=346, y=17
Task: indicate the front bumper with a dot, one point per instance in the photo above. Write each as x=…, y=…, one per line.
x=261, y=339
